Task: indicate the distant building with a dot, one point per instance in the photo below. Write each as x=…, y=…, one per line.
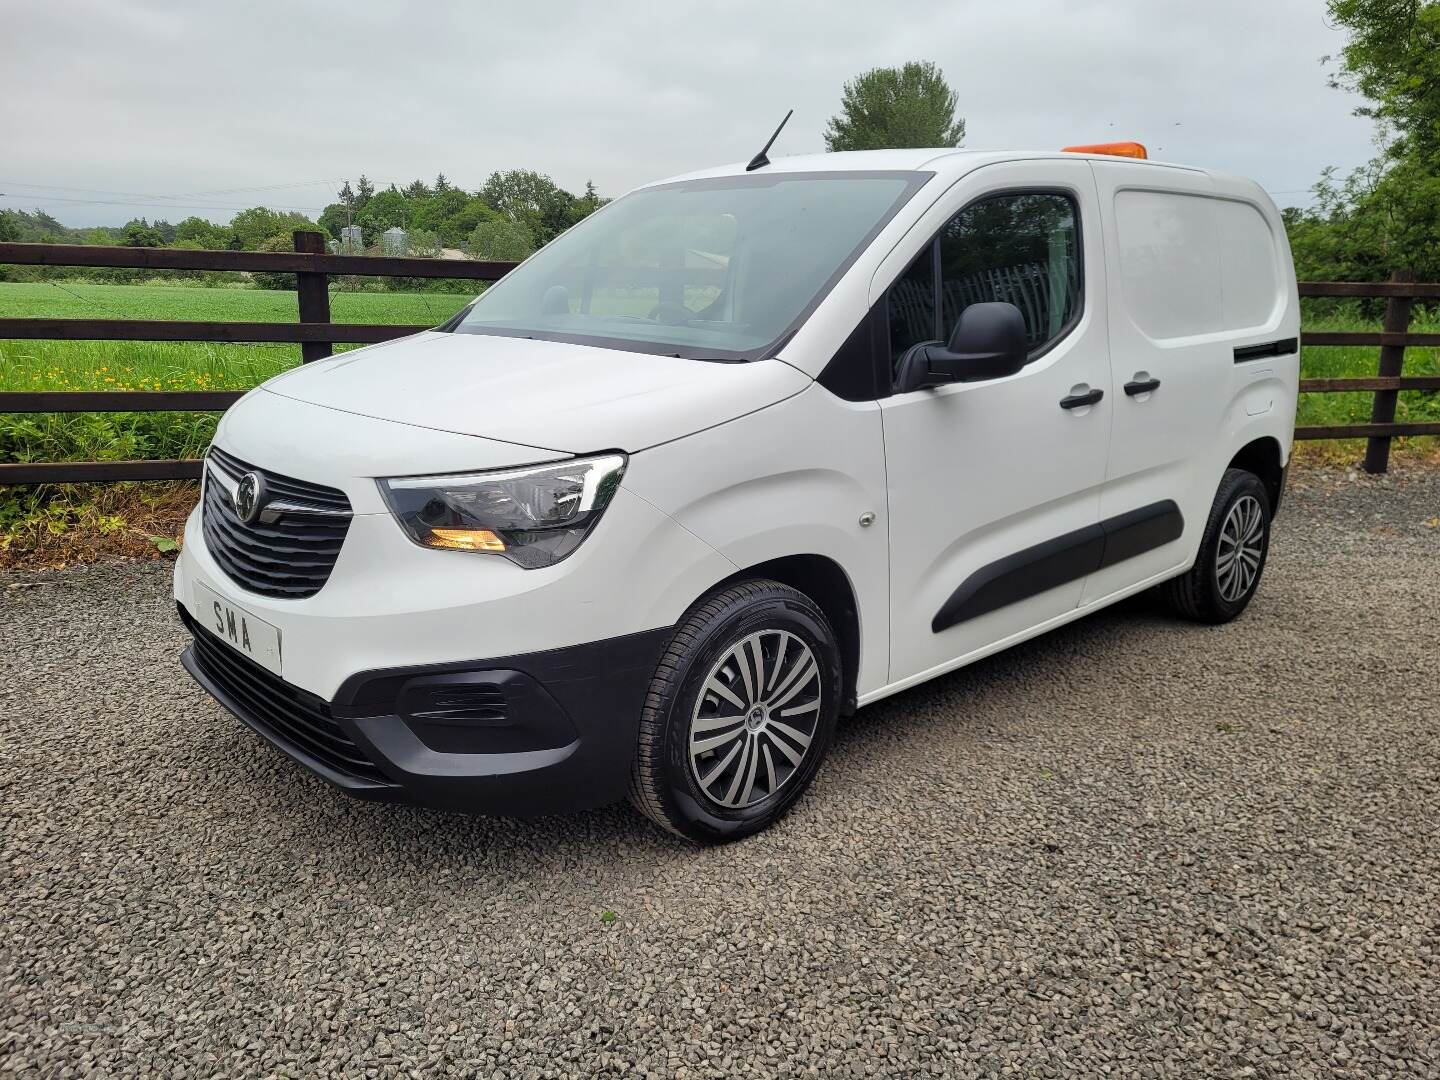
x=394, y=241
x=352, y=240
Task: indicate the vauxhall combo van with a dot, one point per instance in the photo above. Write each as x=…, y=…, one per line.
x=741, y=453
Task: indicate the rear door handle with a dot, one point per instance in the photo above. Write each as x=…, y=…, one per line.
x=1075, y=401
x=1141, y=386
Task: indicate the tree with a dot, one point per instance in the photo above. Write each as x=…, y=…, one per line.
x=452, y=214
x=424, y=244
x=1393, y=59
x=9, y=225
x=585, y=205
x=386, y=210
x=197, y=232
x=502, y=241
x=264, y=279
x=531, y=199
x=1385, y=215
x=334, y=218
x=140, y=233
x=896, y=107
x=253, y=227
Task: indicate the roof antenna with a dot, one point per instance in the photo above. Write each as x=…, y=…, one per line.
x=759, y=161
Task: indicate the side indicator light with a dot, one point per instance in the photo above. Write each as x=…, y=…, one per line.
x=1114, y=149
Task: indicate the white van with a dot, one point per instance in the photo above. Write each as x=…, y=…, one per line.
x=741, y=453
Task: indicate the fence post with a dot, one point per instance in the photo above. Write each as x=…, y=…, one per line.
x=313, y=291
x=1392, y=364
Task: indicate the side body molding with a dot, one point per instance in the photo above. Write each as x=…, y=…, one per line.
x=1063, y=559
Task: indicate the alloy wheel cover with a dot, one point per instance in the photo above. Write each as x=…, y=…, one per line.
x=1241, y=547
x=755, y=720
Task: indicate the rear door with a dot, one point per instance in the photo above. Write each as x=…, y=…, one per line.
x=994, y=487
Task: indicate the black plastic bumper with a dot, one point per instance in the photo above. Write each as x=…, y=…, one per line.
x=535, y=733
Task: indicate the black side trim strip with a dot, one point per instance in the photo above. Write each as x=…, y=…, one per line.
x=1142, y=530
x=1283, y=347
x=1060, y=561
x=1022, y=575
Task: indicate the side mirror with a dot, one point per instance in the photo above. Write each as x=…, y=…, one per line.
x=988, y=342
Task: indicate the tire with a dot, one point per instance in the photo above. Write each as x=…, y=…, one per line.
x=690, y=788
x=1219, y=586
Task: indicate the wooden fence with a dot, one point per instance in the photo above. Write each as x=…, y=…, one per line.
x=1400, y=294
x=316, y=334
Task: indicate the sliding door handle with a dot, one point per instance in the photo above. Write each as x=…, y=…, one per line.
x=1141, y=386
x=1075, y=401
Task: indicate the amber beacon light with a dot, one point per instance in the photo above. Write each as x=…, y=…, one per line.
x=1114, y=149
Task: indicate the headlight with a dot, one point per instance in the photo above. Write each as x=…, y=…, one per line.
x=533, y=516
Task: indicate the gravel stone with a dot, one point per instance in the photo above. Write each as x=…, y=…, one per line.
x=1133, y=847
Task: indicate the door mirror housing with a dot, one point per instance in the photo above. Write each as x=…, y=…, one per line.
x=988, y=342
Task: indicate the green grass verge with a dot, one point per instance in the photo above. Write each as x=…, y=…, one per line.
x=1352, y=362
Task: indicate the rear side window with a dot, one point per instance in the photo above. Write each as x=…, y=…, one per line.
x=1249, y=266
x=1022, y=249
x=1169, y=262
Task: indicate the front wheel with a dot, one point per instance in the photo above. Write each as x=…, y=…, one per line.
x=1232, y=553
x=740, y=713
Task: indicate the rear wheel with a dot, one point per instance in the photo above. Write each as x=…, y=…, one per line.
x=1232, y=553
x=740, y=714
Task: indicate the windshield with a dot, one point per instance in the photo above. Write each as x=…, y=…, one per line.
x=720, y=269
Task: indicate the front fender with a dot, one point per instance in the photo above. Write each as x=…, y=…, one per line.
x=792, y=479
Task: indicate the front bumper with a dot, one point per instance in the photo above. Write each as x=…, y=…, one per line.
x=542, y=732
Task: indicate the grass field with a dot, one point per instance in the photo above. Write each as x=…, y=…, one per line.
x=98, y=365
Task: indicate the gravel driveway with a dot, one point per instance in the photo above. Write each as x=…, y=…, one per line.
x=1134, y=847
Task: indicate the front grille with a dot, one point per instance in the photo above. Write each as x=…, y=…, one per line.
x=291, y=715
x=289, y=549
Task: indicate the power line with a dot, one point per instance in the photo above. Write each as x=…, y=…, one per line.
x=61, y=187
x=182, y=195
x=263, y=187
x=31, y=200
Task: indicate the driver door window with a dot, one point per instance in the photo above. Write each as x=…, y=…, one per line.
x=1022, y=249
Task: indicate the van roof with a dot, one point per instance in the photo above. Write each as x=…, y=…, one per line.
x=950, y=164
x=938, y=159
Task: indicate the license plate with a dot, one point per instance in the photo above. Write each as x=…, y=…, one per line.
x=244, y=632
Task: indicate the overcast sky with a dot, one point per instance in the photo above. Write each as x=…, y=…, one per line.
x=132, y=100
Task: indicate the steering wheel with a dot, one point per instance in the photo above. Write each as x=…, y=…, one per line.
x=670, y=313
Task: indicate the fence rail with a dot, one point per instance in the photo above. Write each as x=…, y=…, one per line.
x=316, y=334
x=309, y=256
